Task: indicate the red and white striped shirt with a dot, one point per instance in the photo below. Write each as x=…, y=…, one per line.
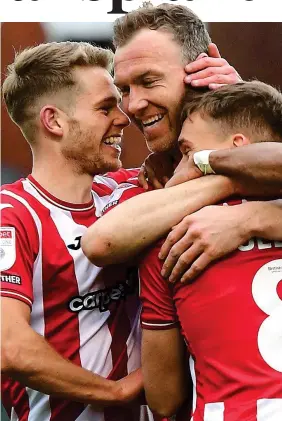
x=88, y=314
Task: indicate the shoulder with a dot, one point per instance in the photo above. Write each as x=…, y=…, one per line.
x=17, y=208
x=110, y=181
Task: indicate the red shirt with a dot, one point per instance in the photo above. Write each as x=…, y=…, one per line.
x=88, y=314
x=231, y=318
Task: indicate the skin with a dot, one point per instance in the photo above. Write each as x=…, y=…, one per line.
x=71, y=135
x=197, y=133
x=69, y=147
x=198, y=239
x=143, y=97
x=149, y=72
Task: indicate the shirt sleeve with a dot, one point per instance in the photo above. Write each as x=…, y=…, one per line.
x=122, y=193
x=158, y=310
x=111, y=180
x=18, y=251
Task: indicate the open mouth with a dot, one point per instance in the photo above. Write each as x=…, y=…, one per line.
x=113, y=141
x=152, y=120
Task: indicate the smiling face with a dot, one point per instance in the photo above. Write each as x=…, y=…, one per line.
x=200, y=133
x=94, y=126
x=149, y=72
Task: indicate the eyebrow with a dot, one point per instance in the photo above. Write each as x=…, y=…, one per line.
x=111, y=100
x=139, y=78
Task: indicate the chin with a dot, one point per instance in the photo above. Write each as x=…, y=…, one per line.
x=112, y=165
x=160, y=145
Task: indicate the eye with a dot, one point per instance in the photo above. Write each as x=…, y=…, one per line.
x=106, y=110
x=149, y=83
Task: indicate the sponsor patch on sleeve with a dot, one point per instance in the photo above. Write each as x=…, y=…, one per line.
x=7, y=247
x=110, y=205
x=11, y=279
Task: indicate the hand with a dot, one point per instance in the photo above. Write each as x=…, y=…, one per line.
x=157, y=169
x=203, y=237
x=211, y=71
x=185, y=171
x=130, y=386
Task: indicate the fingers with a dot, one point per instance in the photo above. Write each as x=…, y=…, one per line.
x=218, y=79
x=214, y=86
x=175, y=235
x=196, y=268
x=142, y=178
x=213, y=50
x=204, y=63
x=201, y=56
x=153, y=179
x=184, y=262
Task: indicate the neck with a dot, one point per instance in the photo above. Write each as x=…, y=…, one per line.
x=60, y=179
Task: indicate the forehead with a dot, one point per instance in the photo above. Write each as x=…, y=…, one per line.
x=147, y=50
x=198, y=123
x=96, y=83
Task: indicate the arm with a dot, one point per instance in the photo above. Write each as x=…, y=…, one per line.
x=259, y=162
x=163, y=351
x=256, y=169
x=28, y=358
x=215, y=231
x=163, y=370
x=136, y=223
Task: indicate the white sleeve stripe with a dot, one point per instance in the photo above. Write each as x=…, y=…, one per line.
x=158, y=324
x=17, y=294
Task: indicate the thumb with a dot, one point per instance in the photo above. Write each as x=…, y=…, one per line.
x=213, y=51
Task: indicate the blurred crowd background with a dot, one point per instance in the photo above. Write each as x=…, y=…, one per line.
x=254, y=49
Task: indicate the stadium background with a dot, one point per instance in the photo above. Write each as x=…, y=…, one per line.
x=254, y=49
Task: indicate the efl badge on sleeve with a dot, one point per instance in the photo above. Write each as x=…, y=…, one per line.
x=7, y=247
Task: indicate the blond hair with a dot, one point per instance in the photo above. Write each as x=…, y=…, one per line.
x=187, y=29
x=45, y=69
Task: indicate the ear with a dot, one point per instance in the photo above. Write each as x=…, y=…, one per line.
x=51, y=119
x=240, y=139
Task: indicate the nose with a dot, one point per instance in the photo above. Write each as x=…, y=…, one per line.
x=121, y=120
x=136, y=103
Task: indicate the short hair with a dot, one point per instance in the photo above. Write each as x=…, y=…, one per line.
x=187, y=29
x=44, y=69
x=251, y=106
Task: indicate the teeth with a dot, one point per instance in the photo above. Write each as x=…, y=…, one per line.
x=113, y=140
x=152, y=119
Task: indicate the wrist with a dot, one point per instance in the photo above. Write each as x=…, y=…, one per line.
x=202, y=161
x=118, y=394
x=250, y=220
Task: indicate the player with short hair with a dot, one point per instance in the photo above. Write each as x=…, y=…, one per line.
x=230, y=317
x=63, y=349
x=149, y=57
x=70, y=330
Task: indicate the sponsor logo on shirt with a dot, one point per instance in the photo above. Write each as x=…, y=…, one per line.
x=102, y=299
x=11, y=279
x=110, y=205
x=76, y=245
x=7, y=247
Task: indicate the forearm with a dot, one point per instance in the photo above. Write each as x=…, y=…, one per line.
x=264, y=220
x=33, y=362
x=136, y=223
x=253, y=164
x=163, y=366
